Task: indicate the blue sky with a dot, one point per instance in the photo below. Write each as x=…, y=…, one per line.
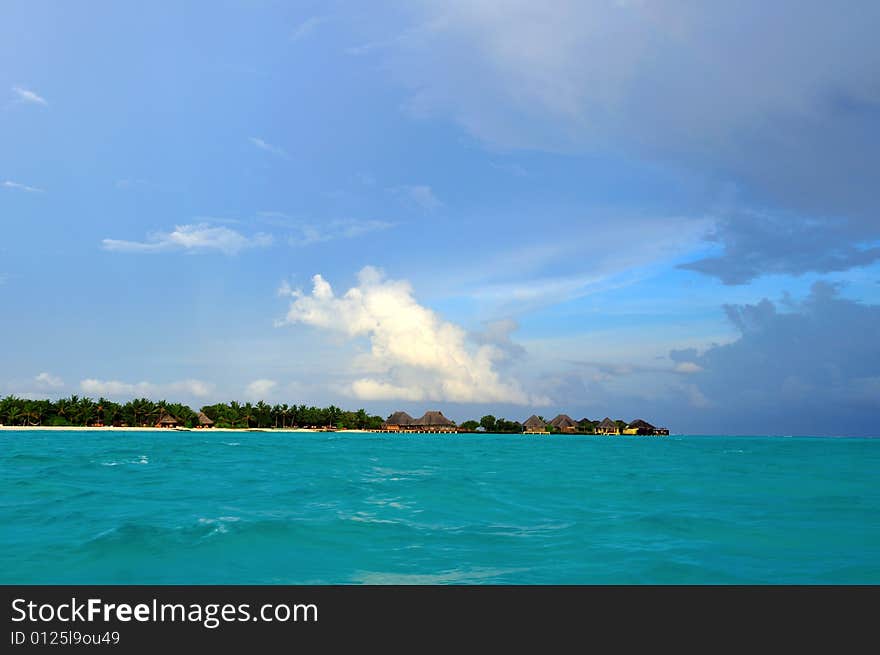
x=511, y=208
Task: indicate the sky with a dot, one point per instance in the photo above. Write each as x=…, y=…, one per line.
x=624, y=208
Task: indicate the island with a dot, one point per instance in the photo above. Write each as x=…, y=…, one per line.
x=144, y=414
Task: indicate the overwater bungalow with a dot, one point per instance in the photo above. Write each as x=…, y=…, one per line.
x=564, y=423
x=432, y=421
x=398, y=421
x=642, y=427
x=607, y=426
x=534, y=425
x=204, y=422
x=639, y=426
x=167, y=421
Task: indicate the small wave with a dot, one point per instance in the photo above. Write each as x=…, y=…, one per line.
x=442, y=577
x=364, y=517
x=232, y=443
x=219, y=524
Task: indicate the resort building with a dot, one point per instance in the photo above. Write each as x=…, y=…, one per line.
x=607, y=426
x=432, y=421
x=639, y=427
x=204, y=421
x=398, y=421
x=534, y=425
x=167, y=421
x=642, y=427
x=564, y=423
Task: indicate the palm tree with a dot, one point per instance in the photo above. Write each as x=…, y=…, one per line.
x=14, y=414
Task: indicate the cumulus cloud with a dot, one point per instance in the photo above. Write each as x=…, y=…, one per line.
x=414, y=354
x=348, y=228
x=268, y=147
x=809, y=367
x=97, y=387
x=26, y=95
x=260, y=389
x=9, y=184
x=498, y=334
x=49, y=381
x=192, y=238
x=781, y=99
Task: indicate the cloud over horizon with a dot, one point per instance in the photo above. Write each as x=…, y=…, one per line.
x=260, y=389
x=414, y=354
x=804, y=367
x=49, y=381
x=116, y=388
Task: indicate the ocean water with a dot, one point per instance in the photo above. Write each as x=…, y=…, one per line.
x=214, y=507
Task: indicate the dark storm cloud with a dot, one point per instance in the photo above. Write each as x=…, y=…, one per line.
x=782, y=99
x=754, y=245
x=813, y=369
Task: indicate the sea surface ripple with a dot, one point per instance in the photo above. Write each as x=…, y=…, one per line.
x=299, y=508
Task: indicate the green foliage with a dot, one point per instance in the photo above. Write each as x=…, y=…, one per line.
x=141, y=412
x=498, y=425
x=506, y=427
x=469, y=425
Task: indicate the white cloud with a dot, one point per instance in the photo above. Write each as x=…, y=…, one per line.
x=307, y=27
x=260, y=389
x=48, y=380
x=193, y=238
x=149, y=389
x=26, y=95
x=9, y=184
x=268, y=147
x=347, y=228
x=414, y=354
x=687, y=367
x=420, y=194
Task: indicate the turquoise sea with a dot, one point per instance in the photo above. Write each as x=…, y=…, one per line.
x=213, y=507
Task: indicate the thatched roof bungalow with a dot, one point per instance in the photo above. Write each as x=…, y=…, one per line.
x=564, y=423
x=433, y=421
x=639, y=426
x=607, y=426
x=204, y=421
x=167, y=421
x=534, y=425
x=397, y=421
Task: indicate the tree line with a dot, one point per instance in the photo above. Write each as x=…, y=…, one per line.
x=76, y=411
x=501, y=425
